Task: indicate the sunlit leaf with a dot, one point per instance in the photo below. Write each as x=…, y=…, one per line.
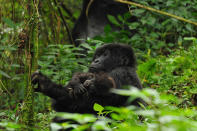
x=98, y=107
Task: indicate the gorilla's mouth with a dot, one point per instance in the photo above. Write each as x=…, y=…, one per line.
x=92, y=69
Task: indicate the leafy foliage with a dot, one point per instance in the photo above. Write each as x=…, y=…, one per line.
x=159, y=115
x=154, y=31
x=166, y=50
x=174, y=74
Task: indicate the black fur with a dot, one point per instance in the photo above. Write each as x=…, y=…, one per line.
x=113, y=66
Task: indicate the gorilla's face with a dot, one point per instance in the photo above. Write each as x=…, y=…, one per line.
x=101, y=62
x=111, y=56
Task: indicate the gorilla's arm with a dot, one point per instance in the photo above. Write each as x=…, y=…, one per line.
x=126, y=76
x=49, y=88
x=80, y=83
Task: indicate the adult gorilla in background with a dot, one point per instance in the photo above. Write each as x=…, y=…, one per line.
x=93, y=24
x=113, y=66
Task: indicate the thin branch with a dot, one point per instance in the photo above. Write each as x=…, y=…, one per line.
x=64, y=22
x=157, y=11
x=68, y=12
x=5, y=88
x=88, y=7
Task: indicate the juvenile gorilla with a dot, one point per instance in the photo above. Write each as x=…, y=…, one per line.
x=113, y=66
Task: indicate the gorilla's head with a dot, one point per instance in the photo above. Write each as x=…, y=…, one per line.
x=110, y=56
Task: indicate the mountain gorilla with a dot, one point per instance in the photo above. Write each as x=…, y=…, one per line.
x=113, y=66
x=93, y=24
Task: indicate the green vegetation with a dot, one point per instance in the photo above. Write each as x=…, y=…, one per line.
x=166, y=49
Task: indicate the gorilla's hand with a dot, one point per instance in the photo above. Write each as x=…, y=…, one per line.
x=77, y=87
x=89, y=84
x=41, y=80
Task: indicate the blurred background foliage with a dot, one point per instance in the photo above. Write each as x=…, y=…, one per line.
x=165, y=47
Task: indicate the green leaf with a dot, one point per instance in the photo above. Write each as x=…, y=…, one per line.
x=10, y=125
x=151, y=20
x=101, y=126
x=189, y=27
x=139, y=11
x=86, y=46
x=98, y=107
x=107, y=29
x=4, y=74
x=82, y=119
x=113, y=20
x=134, y=25
x=120, y=18
x=190, y=38
x=9, y=22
